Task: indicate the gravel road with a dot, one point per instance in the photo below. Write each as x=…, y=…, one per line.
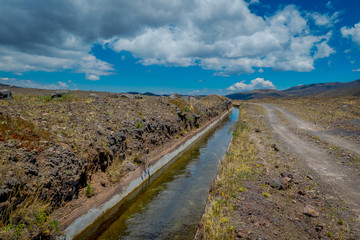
x=344, y=180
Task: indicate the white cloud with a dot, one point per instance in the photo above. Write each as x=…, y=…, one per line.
x=226, y=37
x=323, y=50
x=63, y=85
x=258, y=83
x=354, y=33
x=324, y=19
x=356, y=70
x=220, y=35
x=16, y=61
x=330, y=5
x=254, y=2
x=92, y=77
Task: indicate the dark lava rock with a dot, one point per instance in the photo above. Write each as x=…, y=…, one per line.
x=257, y=130
x=113, y=95
x=138, y=97
x=5, y=94
x=276, y=149
x=116, y=139
x=286, y=174
x=63, y=187
x=4, y=194
x=181, y=115
x=276, y=183
x=59, y=94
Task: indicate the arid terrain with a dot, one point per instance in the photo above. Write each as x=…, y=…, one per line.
x=59, y=147
x=292, y=172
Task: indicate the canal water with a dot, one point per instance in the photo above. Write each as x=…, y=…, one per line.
x=171, y=203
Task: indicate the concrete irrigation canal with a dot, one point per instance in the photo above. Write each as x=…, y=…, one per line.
x=170, y=203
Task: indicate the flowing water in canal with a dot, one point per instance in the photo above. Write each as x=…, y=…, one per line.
x=171, y=203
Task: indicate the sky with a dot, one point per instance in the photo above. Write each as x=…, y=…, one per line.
x=192, y=47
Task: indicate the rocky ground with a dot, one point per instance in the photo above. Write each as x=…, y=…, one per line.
x=54, y=146
x=267, y=190
x=336, y=115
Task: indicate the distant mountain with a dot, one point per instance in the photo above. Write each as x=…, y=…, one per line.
x=150, y=94
x=2, y=85
x=315, y=90
x=133, y=93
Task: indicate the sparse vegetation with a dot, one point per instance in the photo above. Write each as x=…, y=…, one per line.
x=335, y=112
x=89, y=191
x=257, y=207
x=237, y=166
x=29, y=219
x=71, y=138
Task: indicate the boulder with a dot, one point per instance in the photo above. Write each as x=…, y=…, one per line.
x=93, y=95
x=5, y=94
x=138, y=97
x=126, y=95
x=129, y=166
x=276, y=183
x=276, y=149
x=113, y=95
x=174, y=96
x=59, y=94
x=310, y=211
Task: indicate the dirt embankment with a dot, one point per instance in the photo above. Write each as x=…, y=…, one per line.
x=57, y=149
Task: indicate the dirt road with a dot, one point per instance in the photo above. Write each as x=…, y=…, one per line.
x=344, y=180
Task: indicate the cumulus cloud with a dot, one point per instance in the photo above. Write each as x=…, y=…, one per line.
x=257, y=83
x=226, y=37
x=221, y=35
x=353, y=33
x=356, y=70
x=92, y=77
x=325, y=19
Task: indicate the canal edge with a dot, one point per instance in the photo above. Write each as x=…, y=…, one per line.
x=89, y=217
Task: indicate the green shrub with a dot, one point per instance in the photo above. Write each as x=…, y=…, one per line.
x=89, y=191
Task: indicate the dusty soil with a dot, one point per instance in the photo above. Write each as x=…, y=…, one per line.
x=55, y=150
x=292, y=186
x=338, y=115
x=344, y=180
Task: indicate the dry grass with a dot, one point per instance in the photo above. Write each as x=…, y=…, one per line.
x=237, y=166
x=28, y=219
x=329, y=112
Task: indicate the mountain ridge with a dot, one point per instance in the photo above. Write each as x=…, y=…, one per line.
x=314, y=89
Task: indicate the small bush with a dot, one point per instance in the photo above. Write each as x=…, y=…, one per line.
x=89, y=191
x=265, y=194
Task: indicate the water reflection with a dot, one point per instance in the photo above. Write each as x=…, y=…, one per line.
x=171, y=203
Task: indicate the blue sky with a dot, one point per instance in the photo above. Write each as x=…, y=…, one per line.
x=182, y=46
